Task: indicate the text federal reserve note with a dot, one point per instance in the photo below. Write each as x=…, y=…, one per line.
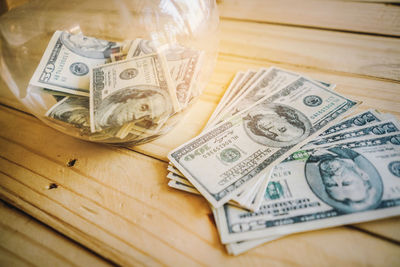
x=246, y=145
x=345, y=183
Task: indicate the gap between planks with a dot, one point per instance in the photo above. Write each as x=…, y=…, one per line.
x=249, y=20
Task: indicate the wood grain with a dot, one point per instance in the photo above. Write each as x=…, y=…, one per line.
x=388, y=228
x=14, y=3
x=310, y=48
x=9, y=258
x=36, y=244
x=105, y=204
x=373, y=16
x=353, y=16
x=115, y=200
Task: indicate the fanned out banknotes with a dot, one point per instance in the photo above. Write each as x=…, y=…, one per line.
x=115, y=91
x=282, y=154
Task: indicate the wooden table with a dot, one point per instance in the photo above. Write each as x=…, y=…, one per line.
x=115, y=202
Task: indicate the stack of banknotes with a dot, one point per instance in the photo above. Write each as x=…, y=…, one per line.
x=282, y=154
x=115, y=90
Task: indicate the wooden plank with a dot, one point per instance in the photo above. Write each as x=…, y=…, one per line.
x=8, y=258
x=311, y=48
x=388, y=228
x=113, y=201
x=26, y=240
x=14, y=3
x=359, y=16
x=354, y=16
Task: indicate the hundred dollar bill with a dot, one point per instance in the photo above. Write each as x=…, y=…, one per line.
x=141, y=47
x=122, y=53
x=240, y=87
x=369, y=117
x=271, y=80
x=350, y=182
x=67, y=61
x=72, y=110
x=247, y=145
x=236, y=248
x=250, y=198
x=224, y=100
x=246, y=82
x=117, y=57
x=359, y=119
x=227, y=99
x=377, y=128
x=239, y=247
x=246, y=195
x=177, y=178
x=172, y=169
x=130, y=90
x=267, y=83
x=326, y=84
x=355, y=121
x=183, y=64
x=183, y=187
x=55, y=93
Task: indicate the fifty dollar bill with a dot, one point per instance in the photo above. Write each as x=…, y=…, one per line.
x=67, y=61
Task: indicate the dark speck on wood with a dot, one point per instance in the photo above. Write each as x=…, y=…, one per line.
x=71, y=162
x=52, y=186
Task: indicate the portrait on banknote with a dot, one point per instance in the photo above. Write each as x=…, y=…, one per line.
x=87, y=46
x=72, y=110
x=274, y=190
x=131, y=104
x=276, y=125
x=128, y=74
x=394, y=168
x=344, y=179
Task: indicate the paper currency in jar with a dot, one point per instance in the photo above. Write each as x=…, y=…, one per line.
x=67, y=61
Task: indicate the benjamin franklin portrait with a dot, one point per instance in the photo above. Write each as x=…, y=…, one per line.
x=276, y=125
x=344, y=179
x=89, y=47
x=132, y=104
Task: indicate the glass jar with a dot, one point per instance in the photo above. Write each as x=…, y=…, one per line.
x=109, y=71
